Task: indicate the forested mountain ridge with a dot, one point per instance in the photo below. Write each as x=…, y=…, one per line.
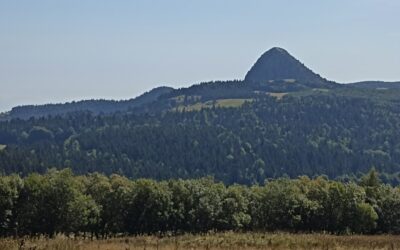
x=336, y=133
x=237, y=131
x=379, y=85
x=278, y=64
x=94, y=106
x=275, y=71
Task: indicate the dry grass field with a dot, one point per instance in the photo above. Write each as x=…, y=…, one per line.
x=278, y=96
x=245, y=241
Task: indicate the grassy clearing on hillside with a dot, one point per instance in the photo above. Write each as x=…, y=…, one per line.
x=231, y=102
x=2, y=146
x=278, y=95
x=220, y=103
x=229, y=240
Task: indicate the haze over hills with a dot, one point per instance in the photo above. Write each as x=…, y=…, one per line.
x=275, y=71
x=282, y=119
x=95, y=106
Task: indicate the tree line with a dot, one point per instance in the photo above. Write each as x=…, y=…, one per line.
x=320, y=134
x=95, y=205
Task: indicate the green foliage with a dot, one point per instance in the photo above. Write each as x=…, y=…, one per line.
x=371, y=179
x=365, y=218
x=149, y=207
x=101, y=206
x=388, y=209
x=54, y=203
x=39, y=134
x=10, y=187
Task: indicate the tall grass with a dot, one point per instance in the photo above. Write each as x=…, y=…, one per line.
x=229, y=240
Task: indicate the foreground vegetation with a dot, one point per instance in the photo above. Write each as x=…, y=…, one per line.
x=97, y=206
x=229, y=240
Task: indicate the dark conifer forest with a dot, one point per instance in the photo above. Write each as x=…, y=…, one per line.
x=339, y=134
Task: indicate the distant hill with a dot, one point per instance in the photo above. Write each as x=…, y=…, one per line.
x=339, y=132
x=282, y=119
x=278, y=65
x=94, y=106
x=276, y=71
x=378, y=85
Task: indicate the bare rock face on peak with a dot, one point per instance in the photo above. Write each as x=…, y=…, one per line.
x=278, y=65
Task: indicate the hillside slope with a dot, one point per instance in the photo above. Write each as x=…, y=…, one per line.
x=378, y=85
x=241, y=131
x=275, y=71
x=278, y=64
x=94, y=106
x=334, y=133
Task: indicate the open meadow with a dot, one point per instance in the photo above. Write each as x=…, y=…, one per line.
x=218, y=241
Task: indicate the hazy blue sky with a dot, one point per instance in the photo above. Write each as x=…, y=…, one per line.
x=62, y=50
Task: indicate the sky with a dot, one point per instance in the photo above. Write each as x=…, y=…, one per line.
x=57, y=51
